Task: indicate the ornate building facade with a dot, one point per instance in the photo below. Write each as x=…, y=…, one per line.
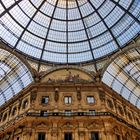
x=69, y=105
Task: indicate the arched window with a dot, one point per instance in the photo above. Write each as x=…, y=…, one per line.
x=14, y=111
x=129, y=116
x=5, y=117
x=25, y=104
x=120, y=110
x=110, y=103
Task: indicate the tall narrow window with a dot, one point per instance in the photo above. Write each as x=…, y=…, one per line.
x=68, y=136
x=25, y=104
x=118, y=137
x=5, y=117
x=14, y=111
x=67, y=99
x=45, y=100
x=41, y=136
x=94, y=136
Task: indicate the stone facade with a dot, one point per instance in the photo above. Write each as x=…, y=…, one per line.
x=79, y=106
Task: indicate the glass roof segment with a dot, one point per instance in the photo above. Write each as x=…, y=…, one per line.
x=69, y=31
x=123, y=76
x=14, y=76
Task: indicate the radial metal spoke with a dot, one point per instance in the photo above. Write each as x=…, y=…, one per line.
x=43, y=49
x=9, y=8
x=31, y=19
x=90, y=46
x=126, y=11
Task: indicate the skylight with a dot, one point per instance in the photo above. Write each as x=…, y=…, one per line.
x=68, y=32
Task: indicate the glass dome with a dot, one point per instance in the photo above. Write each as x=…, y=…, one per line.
x=14, y=76
x=123, y=75
x=69, y=31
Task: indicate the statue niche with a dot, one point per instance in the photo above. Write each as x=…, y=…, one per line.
x=56, y=94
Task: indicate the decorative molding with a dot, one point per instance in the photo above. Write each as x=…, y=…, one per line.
x=33, y=95
x=54, y=132
x=94, y=125
x=67, y=126
x=79, y=97
x=56, y=94
x=102, y=95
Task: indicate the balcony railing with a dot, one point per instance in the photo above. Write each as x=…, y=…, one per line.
x=66, y=114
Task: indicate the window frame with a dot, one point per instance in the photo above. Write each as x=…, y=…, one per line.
x=90, y=99
x=14, y=111
x=25, y=104
x=68, y=133
x=93, y=135
x=67, y=99
x=45, y=100
x=41, y=136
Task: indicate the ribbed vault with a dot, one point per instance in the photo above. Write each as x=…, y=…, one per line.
x=14, y=76
x=123, y=75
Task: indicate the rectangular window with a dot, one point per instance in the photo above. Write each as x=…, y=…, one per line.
x=67, y=100
x=68, y=136
x=90, y=99
x=45, y=100
x=41, y=136
x=118, y=137
x=94, y=136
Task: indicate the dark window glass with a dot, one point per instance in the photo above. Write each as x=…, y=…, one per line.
x=5, y=117
x=129, y=116
x=94, y=136
x=110, y=104
x=25, y=104
x=68, y=136
x=118, y=137
x=14, y=111
x=45, y=100
x=41, y=136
